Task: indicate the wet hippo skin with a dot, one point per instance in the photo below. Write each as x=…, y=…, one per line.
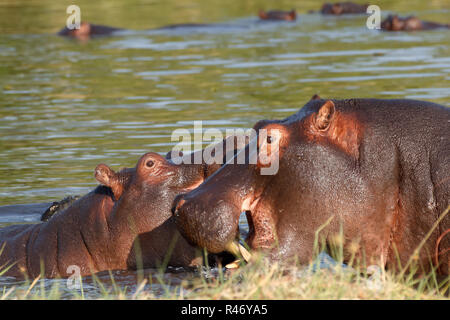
x=396, y=23
x=128, y=216
x=377, y=168
x=98, y=232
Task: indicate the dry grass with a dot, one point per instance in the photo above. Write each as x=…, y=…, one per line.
x=257, y=280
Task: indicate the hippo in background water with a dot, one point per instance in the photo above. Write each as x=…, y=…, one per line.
x=275, y=15
x=88, y=30
x=374, y=171
x=411, y=23
x=340, y=8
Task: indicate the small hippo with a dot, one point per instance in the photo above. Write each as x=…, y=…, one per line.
x=411, y=23
x=278, y=15
x=343, y=8
x=375, y=171
x=123, y=222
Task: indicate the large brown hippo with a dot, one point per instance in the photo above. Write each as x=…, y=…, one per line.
x=123, y=222
x=378, y=169
x=411, y=23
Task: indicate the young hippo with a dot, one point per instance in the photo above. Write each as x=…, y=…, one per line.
x=375, y=171
x=88, y=30
x=343, y=8
x=411, y=23
x=278, y=15
x=121, y=222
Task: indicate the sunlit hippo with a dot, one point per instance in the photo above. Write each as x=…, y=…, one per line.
x=122, y=224
x=339, y=8
x=411, y=23
x=278, y=15
x=375, y=170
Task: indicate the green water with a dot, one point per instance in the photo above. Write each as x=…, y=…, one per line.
x=66, y=105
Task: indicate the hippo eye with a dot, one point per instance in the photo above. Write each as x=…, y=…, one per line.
x=149, y=163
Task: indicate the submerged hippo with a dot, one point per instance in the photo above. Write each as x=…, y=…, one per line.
x=411, y=23
x=88, y=30
x=377, y=170
x=122, y=223
x=339, y=8
x=278, y=15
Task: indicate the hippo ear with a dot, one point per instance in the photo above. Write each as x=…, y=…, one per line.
x=107, y=177
x=325, y=116
x=316, y=97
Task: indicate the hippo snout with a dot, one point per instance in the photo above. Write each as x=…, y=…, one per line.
x=206, y=224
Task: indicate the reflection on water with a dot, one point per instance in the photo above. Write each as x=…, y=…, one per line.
x=66, y=106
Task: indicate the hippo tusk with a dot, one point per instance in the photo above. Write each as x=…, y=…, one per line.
x=233, y=265
x=238, y=250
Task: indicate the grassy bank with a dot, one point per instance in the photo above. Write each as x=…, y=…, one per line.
x=258, y=280
x=326, y=278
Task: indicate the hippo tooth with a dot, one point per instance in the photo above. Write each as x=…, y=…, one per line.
x=233, y=265
x=238, y=250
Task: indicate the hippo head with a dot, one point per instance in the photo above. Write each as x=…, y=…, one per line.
x=145, y=192
x=278, y=15
x=83, y=32
x=143, y=197
x=332, y=8
x=346, y=7
x=392, y=23
x=141, y=212
x=396, y=23
x=313, y=148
